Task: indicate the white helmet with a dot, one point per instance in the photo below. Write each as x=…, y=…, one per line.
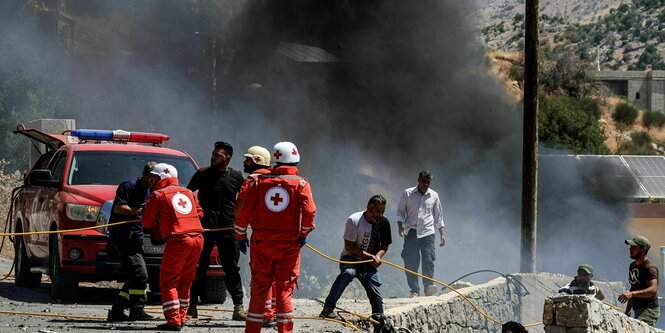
x=164, y=170
x=286, y=152
x=259, y=155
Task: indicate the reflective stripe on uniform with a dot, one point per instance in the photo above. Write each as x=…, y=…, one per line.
x=124, y=294
x=255, y=317
x=138, y=291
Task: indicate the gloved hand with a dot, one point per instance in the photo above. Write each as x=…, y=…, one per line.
x=243, y=245
x=302, y=241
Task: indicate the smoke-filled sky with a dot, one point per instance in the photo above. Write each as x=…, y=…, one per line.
x=409, y=90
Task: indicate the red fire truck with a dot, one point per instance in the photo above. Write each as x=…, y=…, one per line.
x=72, y=185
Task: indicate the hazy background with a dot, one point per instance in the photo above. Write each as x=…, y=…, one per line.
x=404, y=87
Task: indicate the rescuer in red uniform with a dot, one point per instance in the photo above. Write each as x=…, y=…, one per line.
x=175, y=214
x=257, y=162
x=280, y=209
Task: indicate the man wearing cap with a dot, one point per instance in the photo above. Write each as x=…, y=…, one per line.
x=218, y=187
x=582, y=284
x=642, y=298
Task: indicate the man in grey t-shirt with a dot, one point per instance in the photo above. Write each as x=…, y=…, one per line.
x=366, y=237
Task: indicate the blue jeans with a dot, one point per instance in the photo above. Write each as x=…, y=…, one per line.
x=414, y=248
x=368, y=277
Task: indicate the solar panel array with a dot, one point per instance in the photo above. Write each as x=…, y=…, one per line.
x=646, y=172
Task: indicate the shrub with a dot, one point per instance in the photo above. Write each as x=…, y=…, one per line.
x=652, y=119
x=640, y=138
x=625, y=114
x=631, y=148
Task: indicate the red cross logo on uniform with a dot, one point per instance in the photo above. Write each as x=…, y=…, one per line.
x=276, y=199
x=182, y=203
x=277, y=154
x=167, y=170
x=294, y=152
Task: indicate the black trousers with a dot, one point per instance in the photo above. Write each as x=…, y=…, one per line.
x=133, y=294
x=229, y=255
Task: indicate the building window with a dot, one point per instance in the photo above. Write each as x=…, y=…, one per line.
x=637, y=95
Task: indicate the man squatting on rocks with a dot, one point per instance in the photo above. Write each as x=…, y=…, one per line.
x=366, y=236
x=174, y=214
x=280, y=209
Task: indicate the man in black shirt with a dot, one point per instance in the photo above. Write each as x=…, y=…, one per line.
x=643, y=277
x=127, y=241
x=218, y=186
x=366, y=236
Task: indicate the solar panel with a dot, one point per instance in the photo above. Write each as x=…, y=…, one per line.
x=655, y=186
x=646, y=166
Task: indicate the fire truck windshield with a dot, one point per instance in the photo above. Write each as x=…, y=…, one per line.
x=113, y=168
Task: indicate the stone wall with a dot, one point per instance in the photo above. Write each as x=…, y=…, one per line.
x=649, y=84
x=519, y=298
x=580, y=314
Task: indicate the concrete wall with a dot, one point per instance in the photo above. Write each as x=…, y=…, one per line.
x=580, y=314
x=520, y=299
x=649, y=84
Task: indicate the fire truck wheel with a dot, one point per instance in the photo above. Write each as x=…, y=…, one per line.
x=214, y=291
x=63, y=283
x=23, y=276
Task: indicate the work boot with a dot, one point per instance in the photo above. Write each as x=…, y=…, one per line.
x=239, y=313
x=414, y=294
x=431, y=290
x=116, y=315
x=192, y=311
x=139, y=314
x=268, y=323
x=167, y=327
x=328, y=313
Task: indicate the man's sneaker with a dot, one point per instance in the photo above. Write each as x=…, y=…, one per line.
x=167, y=327
x=267, y=323
x=328, y=313
x=139, y=314
x=193, y=312
x=116, y=316
x=414, y=294
x=431, y=290
x=239, y=313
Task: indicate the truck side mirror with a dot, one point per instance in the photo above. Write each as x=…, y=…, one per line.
x=42, y=177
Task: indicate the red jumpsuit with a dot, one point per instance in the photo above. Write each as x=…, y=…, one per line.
x=281, y=210
x=176, y=212
x=270, y=306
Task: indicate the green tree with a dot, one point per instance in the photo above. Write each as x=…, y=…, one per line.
x=651, y=56
x=571, y=123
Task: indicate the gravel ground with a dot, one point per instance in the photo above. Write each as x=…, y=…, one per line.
x=95, y=300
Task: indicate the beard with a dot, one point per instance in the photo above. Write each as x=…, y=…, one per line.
x=251, y=168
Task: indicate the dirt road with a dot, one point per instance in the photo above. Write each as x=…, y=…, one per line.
x=94, y=300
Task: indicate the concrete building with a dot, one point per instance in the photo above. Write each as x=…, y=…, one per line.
x=646, y=89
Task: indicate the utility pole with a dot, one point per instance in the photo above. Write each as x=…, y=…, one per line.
x=530, y=140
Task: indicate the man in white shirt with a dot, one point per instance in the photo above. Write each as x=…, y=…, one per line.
x=419, y=215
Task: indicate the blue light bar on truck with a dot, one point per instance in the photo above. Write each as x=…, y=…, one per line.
x=120, y=135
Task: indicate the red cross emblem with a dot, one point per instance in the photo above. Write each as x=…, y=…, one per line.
x=276, y=199
x=257, y=159
x=182, y=203
x=294, y=152
x=277, y=154
x=167, y=170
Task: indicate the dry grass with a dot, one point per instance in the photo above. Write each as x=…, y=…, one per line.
x=7, y=183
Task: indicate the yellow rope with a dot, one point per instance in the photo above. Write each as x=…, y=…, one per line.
x=65, y=230
x=481, y=312
x=347, y=324
x=41, y=314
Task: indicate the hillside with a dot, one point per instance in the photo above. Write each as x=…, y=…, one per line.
x=609, y=34
x=503, y=62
